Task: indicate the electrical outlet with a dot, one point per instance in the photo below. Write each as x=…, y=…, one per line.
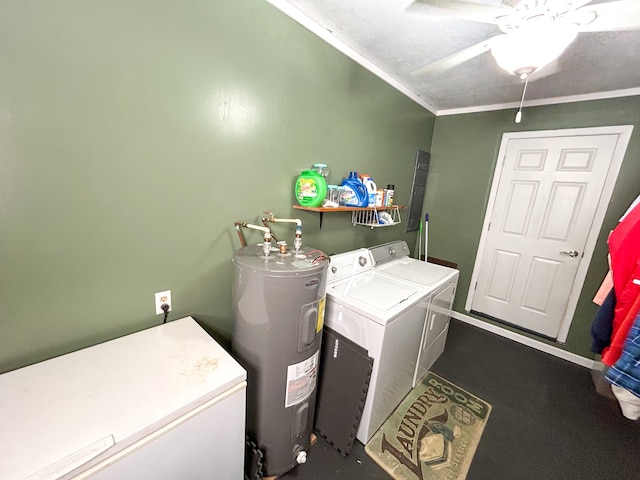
x=161, y=299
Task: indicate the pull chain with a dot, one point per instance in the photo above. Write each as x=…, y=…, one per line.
x=519, y=114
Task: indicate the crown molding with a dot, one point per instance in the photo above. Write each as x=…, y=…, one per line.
x=629, y=92
x=326, y=35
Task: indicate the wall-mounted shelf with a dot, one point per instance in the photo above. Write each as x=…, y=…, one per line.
x=368, y=216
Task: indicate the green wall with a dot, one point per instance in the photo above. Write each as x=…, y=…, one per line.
x=464, y=152
x=133, y=135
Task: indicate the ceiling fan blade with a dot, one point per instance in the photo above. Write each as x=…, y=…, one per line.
x=619, y=15
x=456, y=59
x=576, y=4
x=461, y=9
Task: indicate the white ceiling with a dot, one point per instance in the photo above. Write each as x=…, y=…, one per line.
x=393, y=41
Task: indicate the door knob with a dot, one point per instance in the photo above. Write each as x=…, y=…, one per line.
x=571, y=253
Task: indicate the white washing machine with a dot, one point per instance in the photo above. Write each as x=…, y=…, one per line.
x=392, y=259
x=384, y=315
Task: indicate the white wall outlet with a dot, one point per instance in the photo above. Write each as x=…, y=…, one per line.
x=161, y=299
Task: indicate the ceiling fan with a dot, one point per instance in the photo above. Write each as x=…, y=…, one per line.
x=534, y=33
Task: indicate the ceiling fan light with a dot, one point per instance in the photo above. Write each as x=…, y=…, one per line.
x=528, y=50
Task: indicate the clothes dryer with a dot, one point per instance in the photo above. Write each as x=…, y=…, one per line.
x=384, y=315
x=392, y=259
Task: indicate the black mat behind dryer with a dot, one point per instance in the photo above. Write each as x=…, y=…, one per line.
x=345, y=371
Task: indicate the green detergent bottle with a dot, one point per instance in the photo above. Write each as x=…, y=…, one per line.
x=311, y=188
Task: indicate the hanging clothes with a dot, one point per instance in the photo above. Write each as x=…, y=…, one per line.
x=631, y=207
x=624, y=252
x=602, y=326
x=626, y=371
x=604, y=290
x=618, y=338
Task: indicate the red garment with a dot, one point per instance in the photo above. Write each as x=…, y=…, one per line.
x=611, y=354
x=624, y=252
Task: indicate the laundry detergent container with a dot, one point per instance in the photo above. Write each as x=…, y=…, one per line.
x=355, y=193
x=311, y=188
x=278, y=318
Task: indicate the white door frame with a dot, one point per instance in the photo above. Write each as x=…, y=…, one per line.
x=624, y=134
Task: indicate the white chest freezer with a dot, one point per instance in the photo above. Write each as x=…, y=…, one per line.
x=162, y=404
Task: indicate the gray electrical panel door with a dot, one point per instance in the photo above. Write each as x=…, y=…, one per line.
x=418, y=188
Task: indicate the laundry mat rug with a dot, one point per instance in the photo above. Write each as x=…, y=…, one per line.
x=433, y=434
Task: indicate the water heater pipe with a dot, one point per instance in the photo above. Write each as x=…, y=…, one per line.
x=265, y=221
x=238, y=226
x=266, y=243
x=297, y=241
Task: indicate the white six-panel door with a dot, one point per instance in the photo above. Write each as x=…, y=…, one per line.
x=538, y=224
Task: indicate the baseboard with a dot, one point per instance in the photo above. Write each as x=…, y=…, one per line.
x=530, y=342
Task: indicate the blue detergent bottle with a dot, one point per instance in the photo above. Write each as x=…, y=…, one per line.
x=355, y=193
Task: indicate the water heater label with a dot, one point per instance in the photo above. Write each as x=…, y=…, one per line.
x=320, y=322
x=301, y=380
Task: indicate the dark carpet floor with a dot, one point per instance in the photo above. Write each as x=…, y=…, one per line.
x=547, y=421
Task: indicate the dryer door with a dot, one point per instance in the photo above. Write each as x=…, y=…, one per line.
x=434, y=334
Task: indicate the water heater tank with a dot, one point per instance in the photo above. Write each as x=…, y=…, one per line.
x=278, y=318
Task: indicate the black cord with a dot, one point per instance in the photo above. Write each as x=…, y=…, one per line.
x=165, y=309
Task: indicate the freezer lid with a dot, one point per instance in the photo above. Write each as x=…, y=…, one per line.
x=59, y=414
